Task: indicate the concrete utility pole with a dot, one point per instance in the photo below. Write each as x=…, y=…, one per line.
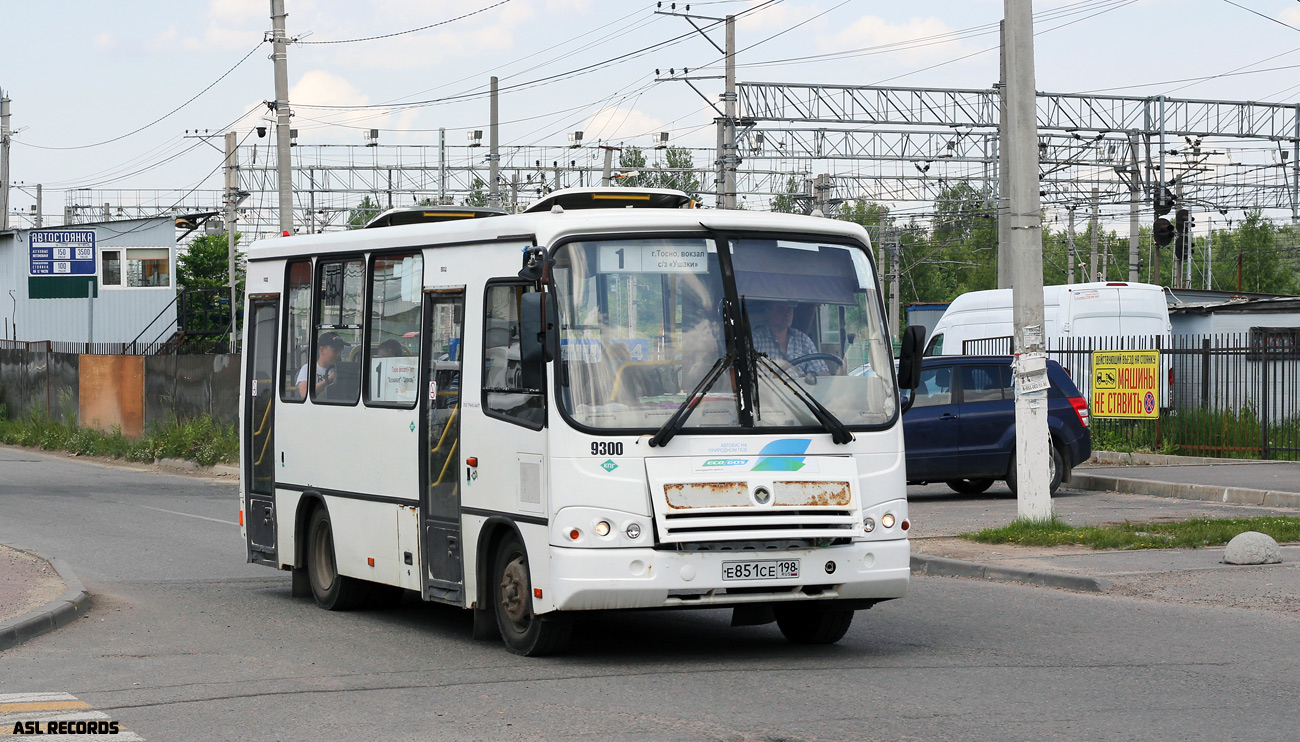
x=607, y=177
x=1134, y=204
x=232, y=198
x=6, y=134
x=1004, y=236
x=494, y=155
x=40, y=206
x=442, y=165
x=1092, y=258
x=1033, y=458
x=1069, y=250
x=283, y=164
x=729, y=157
x=893, y=247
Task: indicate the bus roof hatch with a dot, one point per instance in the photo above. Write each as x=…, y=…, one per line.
x=612, y=198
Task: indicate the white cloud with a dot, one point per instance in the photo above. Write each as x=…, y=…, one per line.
x=617, y=124
x=871, y=31
x=1290, y=16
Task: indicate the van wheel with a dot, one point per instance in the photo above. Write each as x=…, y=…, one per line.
x=804, y=623
x=332, y=591
x=1056, y=466
x=522, y=631
x=969, y=486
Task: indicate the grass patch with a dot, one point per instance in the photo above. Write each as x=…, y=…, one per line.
x=1186, y=534
x=202, y=440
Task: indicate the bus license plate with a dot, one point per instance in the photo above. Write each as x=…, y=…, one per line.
x=771, y=569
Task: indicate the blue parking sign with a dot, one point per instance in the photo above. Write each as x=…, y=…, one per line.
x=62, y=252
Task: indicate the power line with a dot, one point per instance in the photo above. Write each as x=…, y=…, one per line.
x=160, y=118
x=410, y=31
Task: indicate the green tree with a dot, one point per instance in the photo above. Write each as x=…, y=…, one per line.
x=1256, y=249
x=477, y=193
x=363, y=213
x=204, y=263
x=677, y=171
x=786, y=203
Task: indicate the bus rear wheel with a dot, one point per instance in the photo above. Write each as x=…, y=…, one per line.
x=523, y=631
x=813, y=624
x=332, y=591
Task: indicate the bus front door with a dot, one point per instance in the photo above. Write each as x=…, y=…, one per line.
x=259, y=427
x=441, y=549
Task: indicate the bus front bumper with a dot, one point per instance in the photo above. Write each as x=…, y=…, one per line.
x=605, y=579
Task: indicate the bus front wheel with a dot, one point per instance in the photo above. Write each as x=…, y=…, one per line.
x=804, y=623
x=523, y=631
x=332, y=591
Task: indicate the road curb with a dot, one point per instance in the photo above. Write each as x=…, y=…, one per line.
x=924, y=564
x=65, y=609
x=1206, y=492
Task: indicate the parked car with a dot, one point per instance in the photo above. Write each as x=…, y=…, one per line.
x=961, y=427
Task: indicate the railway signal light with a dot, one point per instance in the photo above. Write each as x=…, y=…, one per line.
x=1164, y=201
x=1163, y=232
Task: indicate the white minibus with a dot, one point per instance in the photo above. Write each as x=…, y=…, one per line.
x=615, y=401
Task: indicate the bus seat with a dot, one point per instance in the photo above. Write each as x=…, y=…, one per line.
x=347, y=381
x=638, y=379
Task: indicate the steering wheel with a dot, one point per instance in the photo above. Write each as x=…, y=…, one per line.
x=816, y=357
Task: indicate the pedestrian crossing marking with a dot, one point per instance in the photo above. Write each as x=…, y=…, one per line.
x=17, y=709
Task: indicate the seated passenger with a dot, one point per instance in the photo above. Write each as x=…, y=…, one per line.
x=390, y=348
x=329, y=348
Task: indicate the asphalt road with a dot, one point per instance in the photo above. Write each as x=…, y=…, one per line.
x=187, y=642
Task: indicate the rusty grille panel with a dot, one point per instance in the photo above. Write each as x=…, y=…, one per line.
x=812, y=493
x=707, y=495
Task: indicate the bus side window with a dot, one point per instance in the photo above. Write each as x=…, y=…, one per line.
x=297, y=330
x=503, y=393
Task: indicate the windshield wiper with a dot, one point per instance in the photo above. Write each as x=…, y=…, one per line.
x=675, y=423
x=839, y=433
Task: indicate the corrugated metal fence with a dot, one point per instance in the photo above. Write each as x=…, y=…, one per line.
x=39, y=378
x=1232, y=395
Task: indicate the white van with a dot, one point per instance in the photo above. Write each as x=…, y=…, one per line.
x=1080, y=310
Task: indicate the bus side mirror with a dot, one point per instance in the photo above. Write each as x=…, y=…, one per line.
x=533, y=346
x=909, y=358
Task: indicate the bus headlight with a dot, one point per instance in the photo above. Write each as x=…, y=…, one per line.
x=868, y=524
x=602, y=528
x=887, y=520
x=633, y=530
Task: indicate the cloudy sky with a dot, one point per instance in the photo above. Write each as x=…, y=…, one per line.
x=104, y=93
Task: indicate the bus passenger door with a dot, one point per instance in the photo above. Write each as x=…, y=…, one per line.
x=440, y=545
x=259, y=426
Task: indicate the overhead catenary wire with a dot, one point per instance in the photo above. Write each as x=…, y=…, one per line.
x=408, y=31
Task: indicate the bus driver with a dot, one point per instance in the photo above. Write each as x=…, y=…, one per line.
x=329, y=348
x=781, y=342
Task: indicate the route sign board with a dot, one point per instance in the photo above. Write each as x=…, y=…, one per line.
x=1125, y=383
x=61, y=252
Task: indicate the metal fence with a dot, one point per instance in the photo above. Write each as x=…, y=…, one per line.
x=1232, y=395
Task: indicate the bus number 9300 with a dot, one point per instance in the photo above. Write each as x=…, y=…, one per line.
x=607, y=448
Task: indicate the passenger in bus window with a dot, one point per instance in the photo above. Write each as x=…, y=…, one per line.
x=390, y=348
x=328, y=351
x=775, y=337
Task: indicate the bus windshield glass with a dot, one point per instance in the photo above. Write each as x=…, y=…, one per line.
x=643, y=321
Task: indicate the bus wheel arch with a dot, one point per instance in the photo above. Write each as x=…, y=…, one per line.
x=507, y=594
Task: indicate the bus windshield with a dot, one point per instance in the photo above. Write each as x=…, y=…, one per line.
x=643, y=321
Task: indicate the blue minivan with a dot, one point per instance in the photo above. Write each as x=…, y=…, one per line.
x=961, y=427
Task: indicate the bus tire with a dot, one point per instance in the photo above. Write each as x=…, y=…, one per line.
x=522, y=631
x=804, y=623
x=332, y=591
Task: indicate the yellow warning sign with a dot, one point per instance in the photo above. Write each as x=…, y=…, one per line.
x=1125, y=383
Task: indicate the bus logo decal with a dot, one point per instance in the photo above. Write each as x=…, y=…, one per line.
x=609, y=465
x=783, y=455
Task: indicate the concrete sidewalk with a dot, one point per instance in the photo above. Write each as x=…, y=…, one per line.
x=1147, y=486
x=1267, y=483
x=37, y=595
